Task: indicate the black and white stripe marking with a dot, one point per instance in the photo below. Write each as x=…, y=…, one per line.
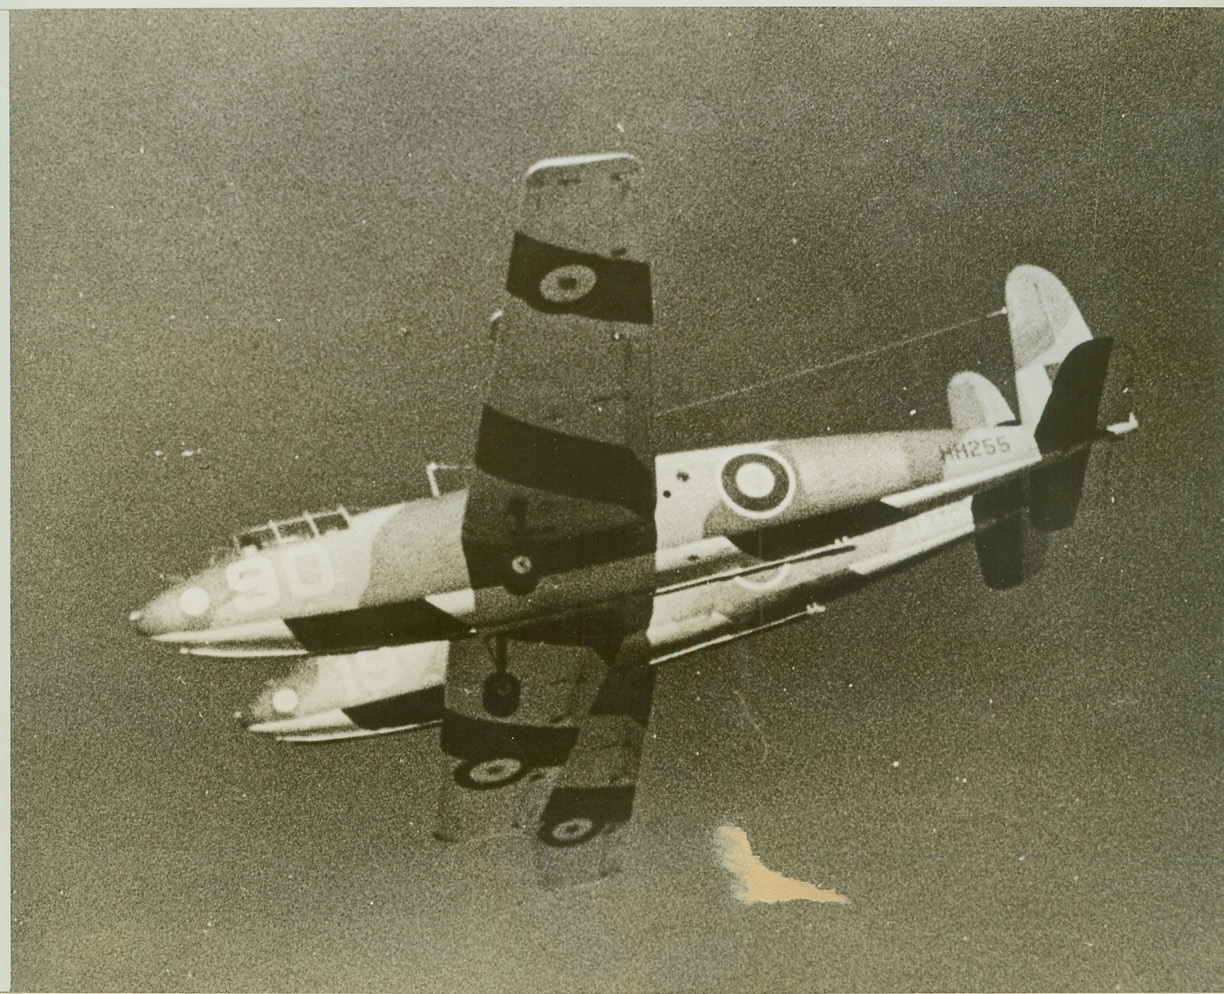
x=553, y=279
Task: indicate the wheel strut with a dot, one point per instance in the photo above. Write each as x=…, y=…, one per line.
x=502, y=689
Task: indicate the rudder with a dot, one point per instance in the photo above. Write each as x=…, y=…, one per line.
x=1006, y=552
x=1068, y=424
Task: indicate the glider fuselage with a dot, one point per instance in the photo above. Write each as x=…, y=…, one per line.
x=398, y=574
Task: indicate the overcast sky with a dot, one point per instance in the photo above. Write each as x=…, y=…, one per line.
x=272, y=239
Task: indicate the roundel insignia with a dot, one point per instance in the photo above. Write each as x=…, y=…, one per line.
x=566, y=284
x=494, y=772
x=570, y=832
x=757, y=484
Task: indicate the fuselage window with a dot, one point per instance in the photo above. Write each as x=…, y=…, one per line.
x=330, y=522
x=256, y=538
x=297, y=530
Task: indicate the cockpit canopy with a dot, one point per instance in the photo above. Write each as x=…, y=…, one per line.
x=301, y=529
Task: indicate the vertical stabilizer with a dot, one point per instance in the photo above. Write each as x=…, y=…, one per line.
x=1069, y=420
x=1045, y=326
x=1001, y=538
x=1068, y=425
x=975, y=402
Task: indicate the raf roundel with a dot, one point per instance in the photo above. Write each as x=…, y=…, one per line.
x=756, y=484
x=569, y=833
x=566, y=284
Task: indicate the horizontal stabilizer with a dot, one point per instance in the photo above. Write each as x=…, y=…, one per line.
x=975, y=402
x=1045, y=326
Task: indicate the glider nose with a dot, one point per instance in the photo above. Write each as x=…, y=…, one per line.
x=159, y=617
x=151, y=620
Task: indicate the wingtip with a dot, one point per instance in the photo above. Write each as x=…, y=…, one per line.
x=1121, y=428
x=570, y=163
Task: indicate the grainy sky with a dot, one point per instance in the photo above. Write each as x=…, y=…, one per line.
x=271, y=238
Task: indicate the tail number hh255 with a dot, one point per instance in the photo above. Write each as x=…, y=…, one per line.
x=974, y=449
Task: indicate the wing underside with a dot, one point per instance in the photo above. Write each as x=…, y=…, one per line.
x=543, y=722
x=564, y=462
x=562, y=767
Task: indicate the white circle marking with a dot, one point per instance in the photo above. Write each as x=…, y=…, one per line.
x=565, y=284
x=766, y=579
x=754, y=479
x=284, y=700
x=194, y=601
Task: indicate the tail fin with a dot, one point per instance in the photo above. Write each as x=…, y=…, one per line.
x=1008, y=550
x=1060, y=372
x=1045, y=326
x=1069, y=420
x=1005, y=551
x=1068, y=424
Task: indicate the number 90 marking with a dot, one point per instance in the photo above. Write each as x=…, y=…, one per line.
x=254, y=581
x=308, y=573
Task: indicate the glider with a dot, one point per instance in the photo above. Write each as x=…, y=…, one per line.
x=525, y=613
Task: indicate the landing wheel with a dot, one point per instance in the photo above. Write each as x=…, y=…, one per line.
x=489, y=774
x=501, y=694
x=571, y=832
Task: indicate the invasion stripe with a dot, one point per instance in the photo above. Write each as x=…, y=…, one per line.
x=618, y=289
x=492, y=564
x=398, y=623
x=599, y=804
x=478, y=740
x=560, y=463
x=417, y=707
